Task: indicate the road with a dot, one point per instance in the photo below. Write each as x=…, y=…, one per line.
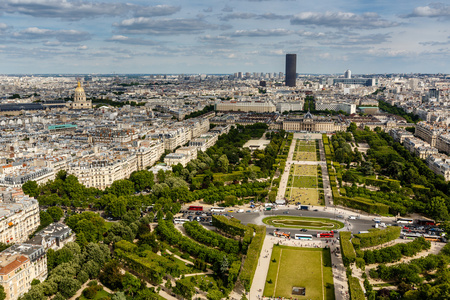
x=364, y=223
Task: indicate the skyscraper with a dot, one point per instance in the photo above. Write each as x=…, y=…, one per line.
x=348, y=74
x=291, y=69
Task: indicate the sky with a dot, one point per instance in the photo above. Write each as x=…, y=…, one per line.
x=223, y=37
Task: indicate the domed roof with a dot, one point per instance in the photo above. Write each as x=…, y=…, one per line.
x=308, y=115
x=79, y=88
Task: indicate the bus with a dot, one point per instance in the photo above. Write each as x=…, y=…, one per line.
x=404, y=221
x=196, y=208
x=303, y=236
x=180, y=221
x=325, y=235
x=217, y=209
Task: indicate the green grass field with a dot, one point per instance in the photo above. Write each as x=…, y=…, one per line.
x=300, y=267
x=304, y=170
x=305, y=156
x=303, y=222
x=308, y=182
x=303, y=185
x=304, y=196
x=100, y=295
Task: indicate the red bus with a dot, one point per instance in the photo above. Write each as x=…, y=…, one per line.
x=325, y=235
x=198, y=208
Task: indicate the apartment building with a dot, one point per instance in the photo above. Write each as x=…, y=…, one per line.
x=399, y=135
x=245, y=106
x=440, y=165
x=443, y=143
x=54, y=236
x=19, y=216
x=148, y=155
x=428, y=132
x=102, y=171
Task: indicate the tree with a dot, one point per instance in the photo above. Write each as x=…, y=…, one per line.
x=56, y=213
x=122, y=187
x=117, y=207
x=223, y=163
x=438, y=209
x=31, y=188
x=98, y=253
x=131, y=284
x=111, y=276
x=69, y=286
x=2, y=293
x=142, y=180
x=46, y=219
x=352, y=127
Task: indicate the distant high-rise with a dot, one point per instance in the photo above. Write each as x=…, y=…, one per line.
x=291, y=69
x=348, y=74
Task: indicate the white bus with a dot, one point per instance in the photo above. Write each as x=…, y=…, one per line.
x=404, y=221
x=303, y=236
x=180, y=221
x=217, y=209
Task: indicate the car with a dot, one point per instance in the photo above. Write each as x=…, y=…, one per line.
x=340, y=216
x=315, y=210
x=230, y=210
x=249, y=211
x=304, y=230
x=286, y=212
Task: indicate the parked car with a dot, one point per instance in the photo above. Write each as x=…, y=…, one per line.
x=286, y=212
x=340, y=216
x=304, y=230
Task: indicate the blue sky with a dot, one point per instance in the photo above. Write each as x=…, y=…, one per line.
x=209, y=36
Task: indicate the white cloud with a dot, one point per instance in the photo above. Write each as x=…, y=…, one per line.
x=369, y=20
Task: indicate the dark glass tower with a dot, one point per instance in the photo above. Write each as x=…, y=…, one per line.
x=291, y=69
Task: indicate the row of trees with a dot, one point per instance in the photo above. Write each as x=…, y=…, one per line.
x=394, y=253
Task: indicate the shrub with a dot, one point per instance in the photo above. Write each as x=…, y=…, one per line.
x=348, y=253
x=356, y=291
x=379, y=236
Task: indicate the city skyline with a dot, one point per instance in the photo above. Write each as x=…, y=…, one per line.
x=173, y=37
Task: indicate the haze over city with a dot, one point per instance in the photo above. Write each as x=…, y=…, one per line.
x=52, y=36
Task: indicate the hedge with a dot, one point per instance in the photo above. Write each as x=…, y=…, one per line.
x=379, y=236
x=234, y=227
x=150, y=265
x=396, y=252
x=211, y=238
x=356, y=291
x=251, y=261
x=348, y=252
x=364, y=204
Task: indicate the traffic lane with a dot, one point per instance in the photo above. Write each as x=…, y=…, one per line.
x=354, y=226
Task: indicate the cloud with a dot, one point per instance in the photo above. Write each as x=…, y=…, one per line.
x=208, y=10
x=174, y=26
x=218, y=41
x=262, y=32
x=434, y=10
x=3, y=27
x=357, y=39
x=369, y=20
x=156, y=11
x=77, y=10
x=246, y=16
x=131, y=41
x=67, y=36
x=227, y=9
x=82, y=47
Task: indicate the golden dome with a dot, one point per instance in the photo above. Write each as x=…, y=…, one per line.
x=79, y=88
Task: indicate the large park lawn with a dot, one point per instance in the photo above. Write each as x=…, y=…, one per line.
x=300, y=267
x=309, y=182
x=304, y=196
